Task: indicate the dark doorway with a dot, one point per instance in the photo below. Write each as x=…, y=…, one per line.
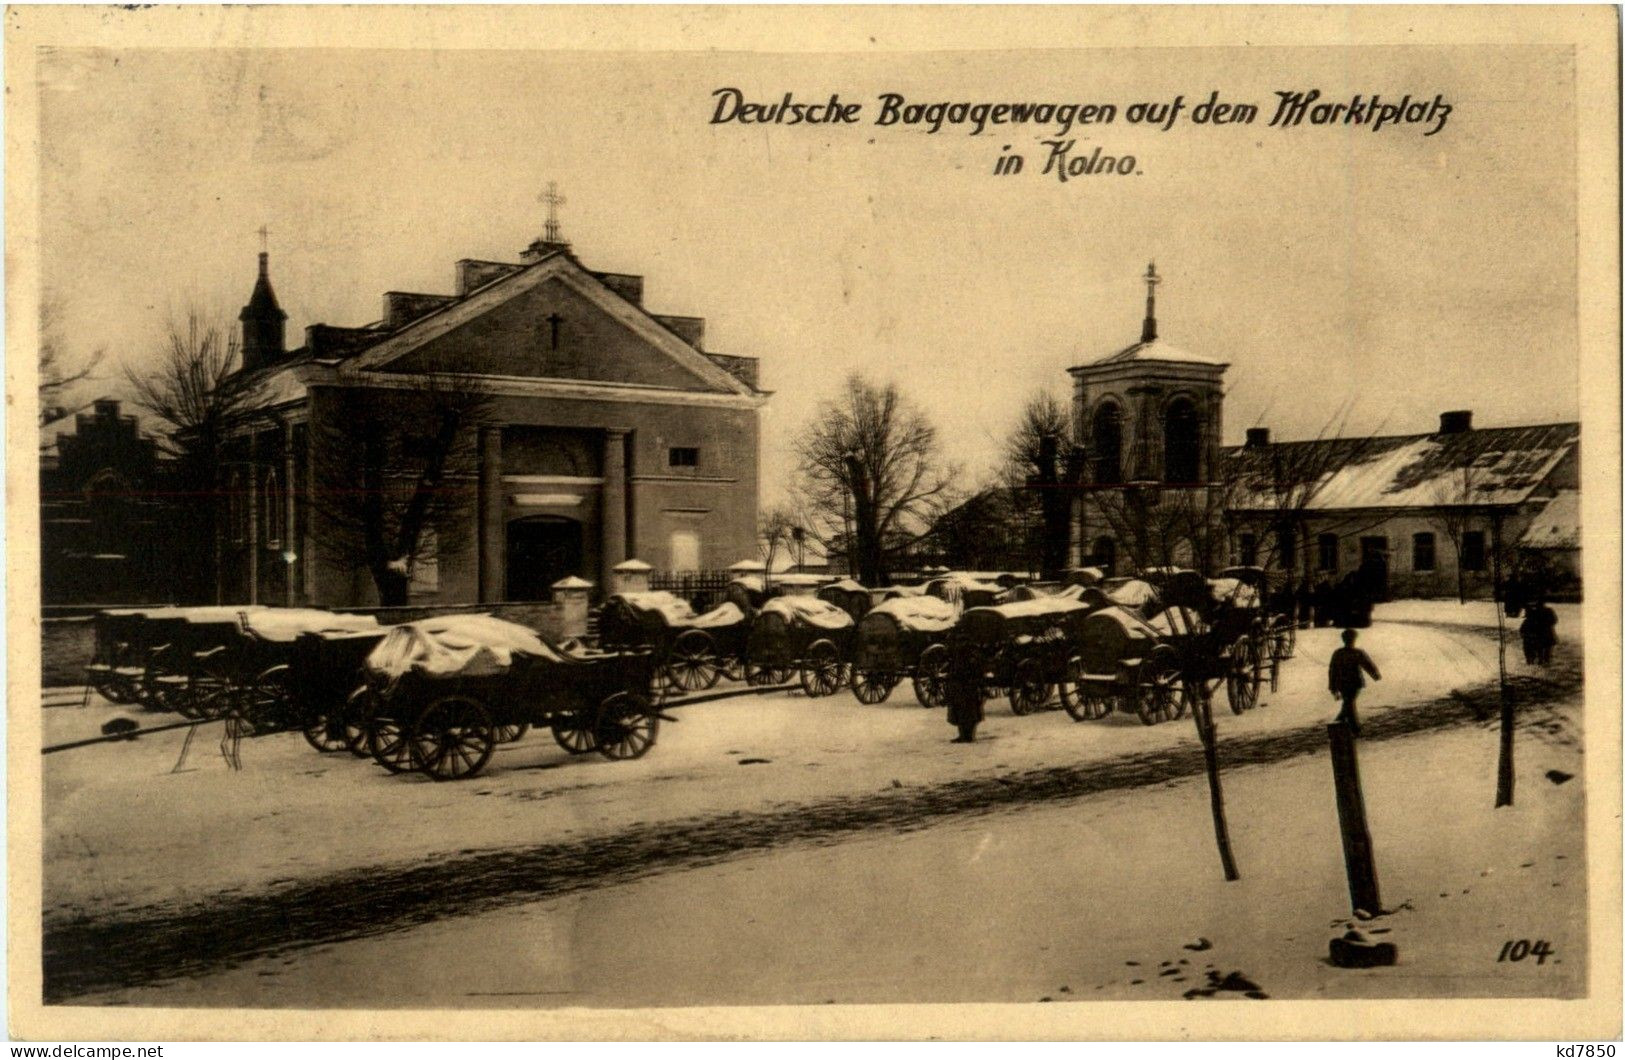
x=542, y=549
x=1374, y=566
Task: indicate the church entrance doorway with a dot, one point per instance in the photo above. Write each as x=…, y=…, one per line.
x=542, y=549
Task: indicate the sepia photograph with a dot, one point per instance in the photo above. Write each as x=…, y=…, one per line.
x=649, y=523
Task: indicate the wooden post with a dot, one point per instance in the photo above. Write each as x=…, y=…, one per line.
x=1357, y=853
x=1504, y=772
x=1202, y=711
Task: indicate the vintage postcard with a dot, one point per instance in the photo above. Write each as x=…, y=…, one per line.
x=985, y=522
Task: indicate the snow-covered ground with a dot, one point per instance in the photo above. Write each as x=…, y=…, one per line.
x=1074, y=902
x=131, y=838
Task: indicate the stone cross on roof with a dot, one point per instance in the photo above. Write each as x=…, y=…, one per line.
x=553, y=200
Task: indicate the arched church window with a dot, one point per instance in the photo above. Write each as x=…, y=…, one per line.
x=1182, y=442
x=1108, y=444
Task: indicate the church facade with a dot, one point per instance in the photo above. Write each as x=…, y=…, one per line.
x=537, y=423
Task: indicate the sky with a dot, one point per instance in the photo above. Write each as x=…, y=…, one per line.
x=1372, y=278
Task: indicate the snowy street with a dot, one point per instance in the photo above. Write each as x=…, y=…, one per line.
x=842, y=852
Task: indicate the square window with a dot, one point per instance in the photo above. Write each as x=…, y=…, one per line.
x=1472, y=550
x=684, y=456
x=1422, y=552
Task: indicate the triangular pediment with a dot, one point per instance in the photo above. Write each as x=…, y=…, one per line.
x=550, y=320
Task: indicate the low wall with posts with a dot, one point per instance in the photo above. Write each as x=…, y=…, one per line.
x=68, y=638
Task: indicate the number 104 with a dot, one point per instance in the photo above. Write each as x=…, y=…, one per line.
x=1517, y=950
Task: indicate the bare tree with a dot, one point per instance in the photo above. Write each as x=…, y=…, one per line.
x=59, y=371
x=775, y=529
x=394, y=474
x=191, y=387
x=1041, y=462
x=870, y=460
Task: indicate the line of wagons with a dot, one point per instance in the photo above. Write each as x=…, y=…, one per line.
x=434, y=696
x=1145, y=646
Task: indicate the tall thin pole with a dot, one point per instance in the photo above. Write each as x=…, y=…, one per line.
x=1504, y=774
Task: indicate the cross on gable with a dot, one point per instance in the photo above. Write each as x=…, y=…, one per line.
x=552, y=200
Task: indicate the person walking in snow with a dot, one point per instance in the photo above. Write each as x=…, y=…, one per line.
x=1539, y=632
x=1346, y=677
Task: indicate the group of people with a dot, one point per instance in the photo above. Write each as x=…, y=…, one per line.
x=1539, y=633
x=1346, y=603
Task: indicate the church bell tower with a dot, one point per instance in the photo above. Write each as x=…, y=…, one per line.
x=263, y=322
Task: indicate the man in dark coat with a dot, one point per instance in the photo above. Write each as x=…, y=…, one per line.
x=964, y=696
x=1539, y=632
x=1346, y=677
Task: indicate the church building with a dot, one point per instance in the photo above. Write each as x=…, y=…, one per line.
x=590, y=430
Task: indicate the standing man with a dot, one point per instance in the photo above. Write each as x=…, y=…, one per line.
x=1346, y=676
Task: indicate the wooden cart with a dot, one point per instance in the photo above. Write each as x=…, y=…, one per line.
x=903, y=637
x=805, y=635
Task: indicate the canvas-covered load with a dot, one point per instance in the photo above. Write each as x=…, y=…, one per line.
x=807, y=611
x=894, y=633
x=284, y=624
x=1085, y=576
x=1133, y=593
x=1114, y=634
x=1178, y=586
x=849, y=596
x=964, y=589
x=457, y=646
x=787, y=624
x=1003, y=622
x=1233, y=592
x=747, y=592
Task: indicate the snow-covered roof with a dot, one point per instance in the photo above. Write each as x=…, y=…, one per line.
x=1482, y=466
x=1557, y=525
x=1155, y=350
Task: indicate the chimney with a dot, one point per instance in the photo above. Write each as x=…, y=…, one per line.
x=1459, y=421
x=1258, y=437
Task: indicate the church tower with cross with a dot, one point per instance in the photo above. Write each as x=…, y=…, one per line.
x=1148, y=421
x=262, y=319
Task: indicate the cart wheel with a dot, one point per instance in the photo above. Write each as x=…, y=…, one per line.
x=574, y=732
x=1243, y=675
x=1158, y=690
x=210, y=690
x=388, y=741
x=821, y=669
x=356, y=709
x=627, y=726
x=511, y=733
x=872, y=686
x=931, y=676
x=453, y=737
x=326, y=731
x=154, y=693
x=1028, y=689
x=1082, y=699
x=261, y=707
x=1285, y=641
x=693, y=665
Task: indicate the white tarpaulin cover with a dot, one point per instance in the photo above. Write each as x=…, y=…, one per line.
x=674, y=609
x=286, y=623
x=722, y=615
x=1234, y=592
x=1134, y=593
x=1044, y=605
x=927, y=614
x=456, y=646
x=808, y=609
x=1129, y=623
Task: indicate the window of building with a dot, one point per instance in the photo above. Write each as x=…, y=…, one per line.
x=1286, y=549
x=1472, y=550
x=1246, y=550
x=684, y=456
x=426, y=565
x=1108, y=444
x=237, y=506
x=1327, y=545
x=1422, y=552
x=1105, y=555
x=271, y=512
x=1182, y=442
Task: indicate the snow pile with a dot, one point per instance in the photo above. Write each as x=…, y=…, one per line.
x=1037, y=608
x=286, y=623
x=722, y=615
x=924, y=614
x=456, y=646
x=808, y=610
x=1133, y=593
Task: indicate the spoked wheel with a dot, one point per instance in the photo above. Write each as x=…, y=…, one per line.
x=210, y=691
x=453, y=737
x=931, y=676
x=1159, y=691
x=1083, y=699
x=574, y=732
x=156, y=692
x=1028, y=689
x=1243, y=675
x=692, y=665
x=262, y=706
x=511, y=733
x=326, y=731
x=356, y=709
x=388, y=740
x=627, y=726
x=1285, y=641
x=873, y=686
x=821, y=669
